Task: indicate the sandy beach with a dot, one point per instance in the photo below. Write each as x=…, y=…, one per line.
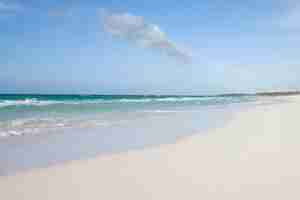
x=255, y=156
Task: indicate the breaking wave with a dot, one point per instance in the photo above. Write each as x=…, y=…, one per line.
x=42, y=102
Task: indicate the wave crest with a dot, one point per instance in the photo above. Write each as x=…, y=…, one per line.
x=45, y=102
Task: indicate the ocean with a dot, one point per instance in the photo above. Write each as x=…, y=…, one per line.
x=22, y=115
x=40, y=130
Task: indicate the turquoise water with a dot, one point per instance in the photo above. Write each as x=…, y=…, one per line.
x=41, y=130
x=22, y=115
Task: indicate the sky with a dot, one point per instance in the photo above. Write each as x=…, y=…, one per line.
x=149, y=47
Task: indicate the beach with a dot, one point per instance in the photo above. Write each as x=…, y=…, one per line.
x=254, y=156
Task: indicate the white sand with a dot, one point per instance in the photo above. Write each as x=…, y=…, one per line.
x=256, y=156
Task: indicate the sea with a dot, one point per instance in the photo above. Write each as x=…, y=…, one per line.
x=41, y=130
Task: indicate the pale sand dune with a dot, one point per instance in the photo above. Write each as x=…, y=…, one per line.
x=256, y=156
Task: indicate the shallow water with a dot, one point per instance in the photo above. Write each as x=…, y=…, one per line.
x=37, y=114
x=49, y=135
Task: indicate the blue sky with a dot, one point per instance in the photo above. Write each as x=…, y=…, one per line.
x=157, y=47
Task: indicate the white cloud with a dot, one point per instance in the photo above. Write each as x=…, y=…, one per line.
x=135, y=29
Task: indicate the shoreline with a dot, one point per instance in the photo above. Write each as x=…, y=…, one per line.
x=45, y=150
x=254, y=156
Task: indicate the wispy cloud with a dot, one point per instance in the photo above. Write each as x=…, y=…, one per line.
x=291, y=19
x=9, y=7
x=135, y=29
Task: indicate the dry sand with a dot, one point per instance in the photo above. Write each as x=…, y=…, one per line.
x=255, y=156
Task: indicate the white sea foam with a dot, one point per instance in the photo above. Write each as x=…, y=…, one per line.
x=171, y=111
x=14, y=133
x=32, y=126
x=3, y=134
x=37, y=102
x=34, y=102
x=182, y=99
x=134, y=100
x=26, y=102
